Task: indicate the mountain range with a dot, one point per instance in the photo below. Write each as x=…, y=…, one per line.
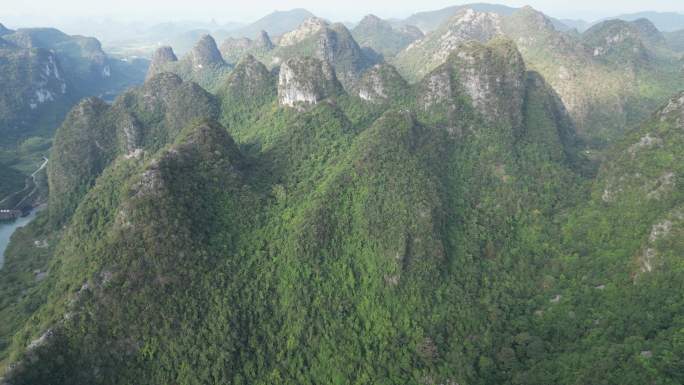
x=491, y=198
x=631, y=60
x=44, y=73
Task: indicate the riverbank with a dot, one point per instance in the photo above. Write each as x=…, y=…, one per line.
x=8, y=228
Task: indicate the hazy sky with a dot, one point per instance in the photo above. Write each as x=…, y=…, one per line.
x=47, y=11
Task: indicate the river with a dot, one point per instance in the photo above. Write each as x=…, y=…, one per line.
x=8, y=228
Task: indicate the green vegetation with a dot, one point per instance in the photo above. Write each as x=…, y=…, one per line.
x=289, y=231
x=95, y=133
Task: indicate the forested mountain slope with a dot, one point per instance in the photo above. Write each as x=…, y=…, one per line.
x=313, y=217
x=324, y=234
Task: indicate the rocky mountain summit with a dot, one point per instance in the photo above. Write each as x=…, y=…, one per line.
x=160, y=60
x=623, y=56
x=304, y=82
x=206, y=54
x=465, y=26
x=307, y=29
x=315, y=37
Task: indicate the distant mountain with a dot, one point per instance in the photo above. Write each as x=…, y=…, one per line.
x=578, y=24
x=384, y=38
x=664, y=21
x=675, y=40
x=204, y=64
x=431, y=20
x=315, y=37
x=44, y=71
x=4, y=30
x=275, y=24
x=233, y=49
x=630, y=59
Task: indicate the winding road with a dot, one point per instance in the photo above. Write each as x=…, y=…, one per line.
x=27, y=186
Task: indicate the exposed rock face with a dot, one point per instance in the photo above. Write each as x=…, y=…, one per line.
x=432, y=50
x=465, y=26
x=491, y=76
x=494, y=79
x=308, y=28
x=329, y=42
x=381, y=83
x=50, y=81
x=45, y=72
x=162, y=56
x=337, y=46
x=77, y=48
x=206, y=54
x=306, y=81
x=436, y=88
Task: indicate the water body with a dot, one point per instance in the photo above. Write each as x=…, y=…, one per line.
x=8, y=228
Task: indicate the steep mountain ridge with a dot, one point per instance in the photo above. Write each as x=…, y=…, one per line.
x=94, y=133
x=635, y=78
x=332, y=208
